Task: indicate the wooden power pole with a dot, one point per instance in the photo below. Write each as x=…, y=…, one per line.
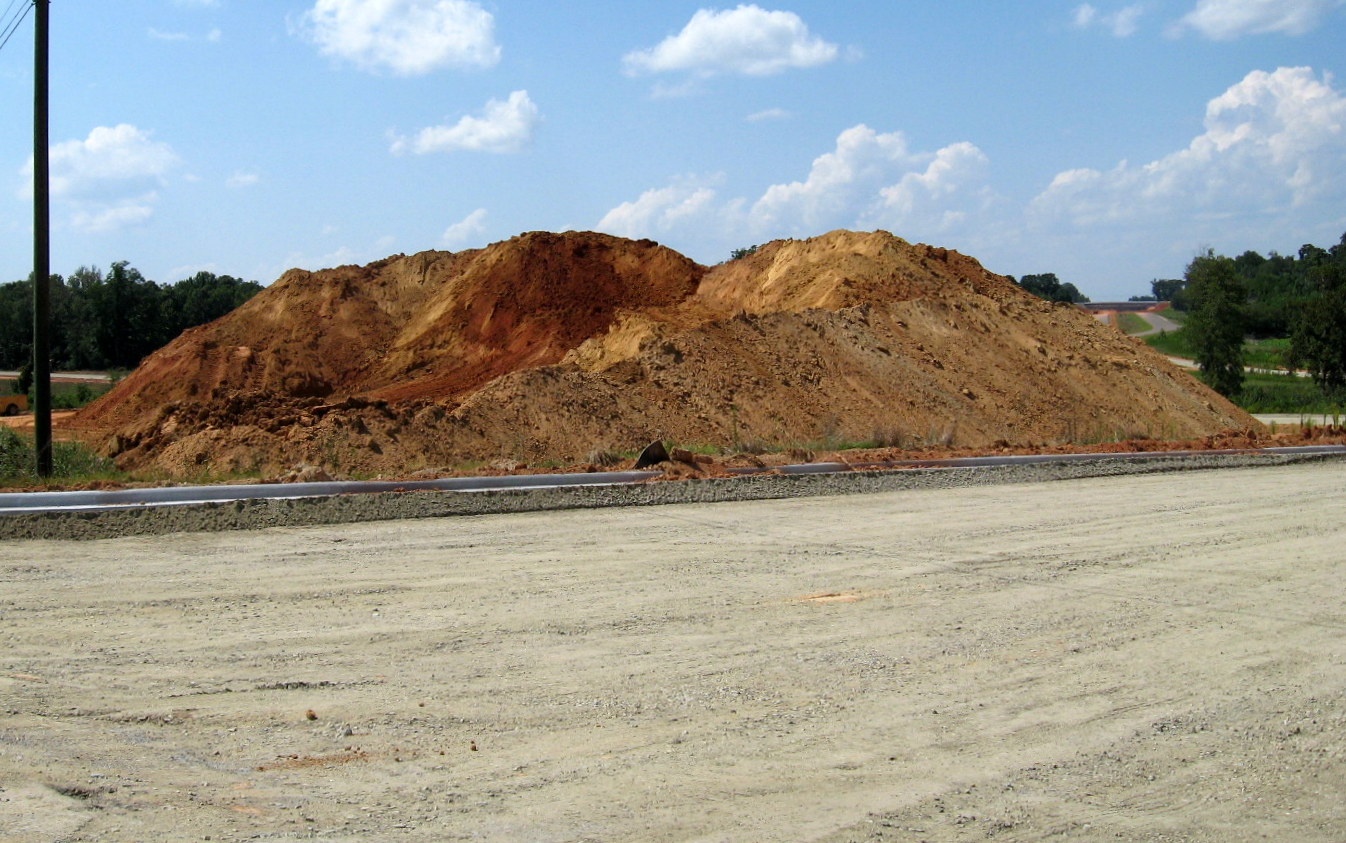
x=41, y=249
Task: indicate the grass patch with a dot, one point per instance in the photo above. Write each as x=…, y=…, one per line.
x=1172, y=343
x=71, y=462
x=1262, y=393
x=1286, y=394
x=1266, y=354
x=72, y=396
x=65, y=395
x=1130, y=323
x=1259, y=354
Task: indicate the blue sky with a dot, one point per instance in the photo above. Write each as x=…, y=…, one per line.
x=1108, y=142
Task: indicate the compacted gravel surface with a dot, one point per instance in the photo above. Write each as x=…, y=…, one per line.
x=1146, y=657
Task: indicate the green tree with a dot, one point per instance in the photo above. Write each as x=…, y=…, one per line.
x=77, y=322
x=1319, y=339
x=1070, y=293
x=16, y=319
x=16, y=323
x=127, y=309
x=1274, y=286
x=24, y=384
x=100, y=321
x=1217, y=322
x=1047, y=286
x=1168, y=289
x=204, y=298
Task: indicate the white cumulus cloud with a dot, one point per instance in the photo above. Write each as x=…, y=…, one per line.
x=214, y=36
x=1274, y=141
x=1226, y=20
x=768, y=114
x=746, y=40
x=100, y=220
x=111, y=160
x=1122, y=23
x=873, y=178
x=241, y=179
x=931, y=197
x=503, y=127
x=110, y=179
x=407, y=37
x=466, y=230
x=870, y=179
x=663, y=210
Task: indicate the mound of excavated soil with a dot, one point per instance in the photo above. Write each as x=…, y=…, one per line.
x=549, y=347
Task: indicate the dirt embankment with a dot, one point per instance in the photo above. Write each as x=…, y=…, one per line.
x=549, y=347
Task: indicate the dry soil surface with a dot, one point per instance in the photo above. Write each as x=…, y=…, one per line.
x=561, y=348
x=1153, y=657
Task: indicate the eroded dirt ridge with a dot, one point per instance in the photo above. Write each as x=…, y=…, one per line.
x=548, y=347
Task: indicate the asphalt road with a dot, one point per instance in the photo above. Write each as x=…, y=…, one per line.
x=1158, y=322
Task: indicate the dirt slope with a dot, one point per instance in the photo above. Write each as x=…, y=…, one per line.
x=549, y=346
x=434, y=324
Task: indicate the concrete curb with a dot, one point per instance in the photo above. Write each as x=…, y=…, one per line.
x=347, y=509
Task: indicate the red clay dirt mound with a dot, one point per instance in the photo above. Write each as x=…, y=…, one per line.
x=435, y=324
x=548, y=347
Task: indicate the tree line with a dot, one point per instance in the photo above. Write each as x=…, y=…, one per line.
x=1273, y=287
x=112, y=320
x=1047, y=286
x=1230, y=299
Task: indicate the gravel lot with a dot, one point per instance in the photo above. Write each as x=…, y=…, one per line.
x=1148, y=657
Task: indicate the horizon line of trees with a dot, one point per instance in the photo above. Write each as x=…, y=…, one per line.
x=1274, y=286
x=113, y=320
x=1047, y=286
x=1230, y=299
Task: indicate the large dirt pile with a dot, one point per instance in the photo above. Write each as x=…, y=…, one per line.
x=434, y=324
x=548, y=347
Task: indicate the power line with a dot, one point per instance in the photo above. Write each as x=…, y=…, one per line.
x=9, y=9
x=11, y=16
x=14, y=24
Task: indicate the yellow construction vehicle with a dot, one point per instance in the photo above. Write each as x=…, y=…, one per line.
x=12, y=405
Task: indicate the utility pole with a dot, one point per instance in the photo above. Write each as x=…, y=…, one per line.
x=41, y=248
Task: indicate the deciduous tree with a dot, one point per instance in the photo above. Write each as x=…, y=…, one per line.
x=1218, y=319
x=1047, y=286
x=1319, y=339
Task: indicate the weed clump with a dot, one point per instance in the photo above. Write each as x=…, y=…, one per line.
x=70, y=461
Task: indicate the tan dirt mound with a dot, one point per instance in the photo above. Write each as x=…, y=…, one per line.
x=550, y=347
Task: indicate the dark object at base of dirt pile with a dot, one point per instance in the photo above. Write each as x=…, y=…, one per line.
x=654, y=453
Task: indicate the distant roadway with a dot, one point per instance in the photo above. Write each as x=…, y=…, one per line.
x=1158, y=322
x=68, y=377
